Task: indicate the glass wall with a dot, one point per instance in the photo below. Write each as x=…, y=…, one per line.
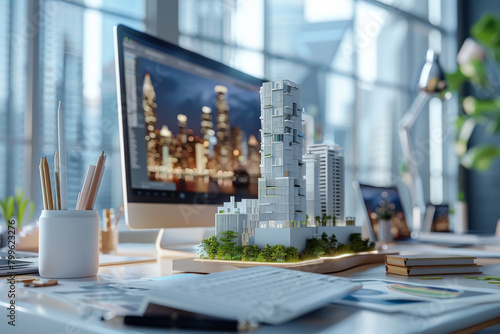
x=75, y=64
x=358, y=63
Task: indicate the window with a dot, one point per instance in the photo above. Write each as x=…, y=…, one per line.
x=277, y=138
x=75, y=64
x=355, y=61
x=13, y=94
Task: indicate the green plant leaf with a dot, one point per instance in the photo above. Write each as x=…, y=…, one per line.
x=455, y=80
x=3, y=207
x=481, y=107
x=464, y=134
x=494, y=125
x=19, y=194
x=9, y=209
x=481, y=157
x=21, y=210
x=486, y=30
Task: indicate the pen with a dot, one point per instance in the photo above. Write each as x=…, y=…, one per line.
x=58, y=184
x=174, y=320
x=61, y=136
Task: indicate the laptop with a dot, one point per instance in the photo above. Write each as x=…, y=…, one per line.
x=436, y=229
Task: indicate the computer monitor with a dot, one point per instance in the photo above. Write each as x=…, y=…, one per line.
x=189, y=132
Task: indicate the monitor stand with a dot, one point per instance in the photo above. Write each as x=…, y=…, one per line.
x=181, y=242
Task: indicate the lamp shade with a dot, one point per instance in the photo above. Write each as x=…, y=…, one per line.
x=432, y=78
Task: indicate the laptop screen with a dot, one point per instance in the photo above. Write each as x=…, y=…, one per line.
x=385, y=199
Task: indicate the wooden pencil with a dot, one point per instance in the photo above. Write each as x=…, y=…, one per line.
x=119, y=215
x=84, y=194
x=89, y=205
x=48, y=185
x=42, y=181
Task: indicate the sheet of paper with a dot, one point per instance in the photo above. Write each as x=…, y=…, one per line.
x=413, y=298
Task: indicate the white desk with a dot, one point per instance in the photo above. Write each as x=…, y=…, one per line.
x=37, y=313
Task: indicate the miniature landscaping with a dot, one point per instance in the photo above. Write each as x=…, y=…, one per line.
x=226, y=249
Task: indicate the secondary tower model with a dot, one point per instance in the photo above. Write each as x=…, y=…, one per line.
x=329, y=180
x=282, y=201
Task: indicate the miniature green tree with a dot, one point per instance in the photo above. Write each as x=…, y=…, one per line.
x=292, y=254
x=314, y=248
x=326, y=218
x=324, y=237
x=209, y=247
x=361, y=245
x=357, y=244
x=226, y=248
x=331, y=243
x=333, y=240
x=228, y=236
x=237, y=253
x=342, y=249
x=266, y=254
x=318, y=220
x=250, y=253
x=279, y=253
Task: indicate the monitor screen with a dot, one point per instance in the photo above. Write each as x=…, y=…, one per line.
x=437, y=218
x=191, y=124
x=376, y=198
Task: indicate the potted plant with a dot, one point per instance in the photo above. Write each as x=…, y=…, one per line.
x=473, y=69
x=385, y=214
x=14, y=210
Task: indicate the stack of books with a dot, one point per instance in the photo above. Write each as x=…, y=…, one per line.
x=414, y=265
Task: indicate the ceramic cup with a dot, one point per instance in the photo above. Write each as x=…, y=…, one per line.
x=68, y=243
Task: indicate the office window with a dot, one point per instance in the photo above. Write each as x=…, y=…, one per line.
x=76, y=40
x=74, y=63
x=13, y=56
x=357, y=62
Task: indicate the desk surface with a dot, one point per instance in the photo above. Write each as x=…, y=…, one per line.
x=35, y=310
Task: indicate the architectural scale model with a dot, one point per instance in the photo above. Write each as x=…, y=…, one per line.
x=329, y=183
x=300, y=197
x=282, y=193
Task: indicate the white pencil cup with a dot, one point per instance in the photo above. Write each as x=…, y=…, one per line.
x=69, y=243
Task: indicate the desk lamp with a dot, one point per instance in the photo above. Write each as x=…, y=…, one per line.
x=432, y=83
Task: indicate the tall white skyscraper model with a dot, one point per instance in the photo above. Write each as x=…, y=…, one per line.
x=282, y=201
x=330, y=181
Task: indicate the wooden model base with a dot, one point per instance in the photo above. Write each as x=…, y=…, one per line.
x=322, y=265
